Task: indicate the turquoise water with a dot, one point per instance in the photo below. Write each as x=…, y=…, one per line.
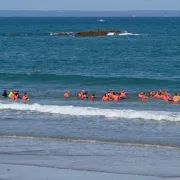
x=46, y=66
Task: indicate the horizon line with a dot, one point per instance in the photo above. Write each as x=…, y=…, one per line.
x=81, y=10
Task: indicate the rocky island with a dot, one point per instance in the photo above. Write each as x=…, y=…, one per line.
x=98, y=33
x=95, y=33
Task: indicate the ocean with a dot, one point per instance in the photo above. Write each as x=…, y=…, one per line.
x=144, y=57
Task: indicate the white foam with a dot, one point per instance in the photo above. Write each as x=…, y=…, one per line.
x=90, y=111
x=129, y=34
x=111, y=34
x=53, y=34
x=101, y=20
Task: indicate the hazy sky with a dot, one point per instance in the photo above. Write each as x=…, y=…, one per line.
x=90, y=5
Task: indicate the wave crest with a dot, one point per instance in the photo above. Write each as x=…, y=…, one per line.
x=129, y=34
x=90, y=111
x=76, y=78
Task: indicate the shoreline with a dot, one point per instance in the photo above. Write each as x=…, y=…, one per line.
x=91, y=141
x=39, y=159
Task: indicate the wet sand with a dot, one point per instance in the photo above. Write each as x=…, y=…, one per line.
x=43, y=159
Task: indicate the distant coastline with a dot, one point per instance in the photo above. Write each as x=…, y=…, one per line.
x=73, y=13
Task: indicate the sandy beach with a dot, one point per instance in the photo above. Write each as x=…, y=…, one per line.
x=44, y=159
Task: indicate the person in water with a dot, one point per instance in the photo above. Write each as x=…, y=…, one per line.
x=144, y=97
x=17, y=96
x=25, y=98
x=165, y=96
x=116, y=97
x=84, y=96
x=105, y=98
x=10, y=94
x=152, y=94
x=80, y=94
x=93, y=97
x=67, y=94
x=5, y=94
x=158, y=95
x=176, y=98
x=123, y=94
x=140, y=94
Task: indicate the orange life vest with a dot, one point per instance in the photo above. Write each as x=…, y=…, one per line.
x=175, y=98
x=105, y=98
x=66, y=95
x=93, y=98
x=25, y=98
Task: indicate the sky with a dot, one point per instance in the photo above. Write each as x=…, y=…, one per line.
x=112, y=5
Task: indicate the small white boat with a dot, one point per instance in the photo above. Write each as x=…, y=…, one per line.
x=101, y=20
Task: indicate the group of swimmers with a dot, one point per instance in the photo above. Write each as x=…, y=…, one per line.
x=114, y=96
x=15, y=96
x=109, y=96
x=163, y=95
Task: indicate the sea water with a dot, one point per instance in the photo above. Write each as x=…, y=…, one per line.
x=143, y=57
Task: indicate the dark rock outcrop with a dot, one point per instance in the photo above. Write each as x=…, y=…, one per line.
x=97, y=33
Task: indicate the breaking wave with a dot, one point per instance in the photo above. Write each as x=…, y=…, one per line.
x=90, y=111
x=129, y=34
